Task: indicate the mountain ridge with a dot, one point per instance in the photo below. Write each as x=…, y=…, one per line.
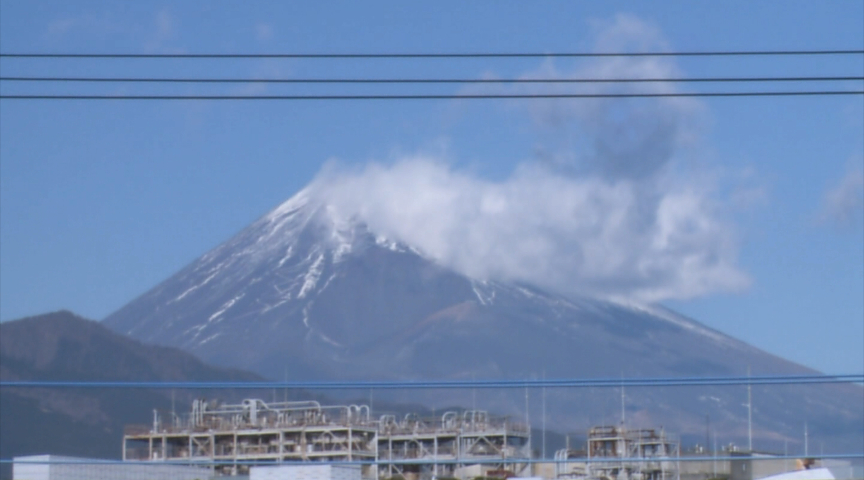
x=86, y=422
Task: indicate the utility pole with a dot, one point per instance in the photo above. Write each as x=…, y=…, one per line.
x=806, y=441
x=623, y=414
x=749, y=412
x=543, y=413
x=707, y=431
x=715, y=454
x=527, y=421
x=474, y=392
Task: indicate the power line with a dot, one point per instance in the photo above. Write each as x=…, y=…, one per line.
x=430, y=80
x=458, y=384
x=403, y=461
x=432, y=55
x=435, y=96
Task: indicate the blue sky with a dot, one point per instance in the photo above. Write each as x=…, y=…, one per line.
x=99, y=201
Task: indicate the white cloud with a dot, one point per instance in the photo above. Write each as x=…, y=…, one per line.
x=625, y=212
x=165, y=29
x=62, y=26
x=103, y=24
x=843, y=203
x=614, y=137
x=570, y=234
x=109, y=27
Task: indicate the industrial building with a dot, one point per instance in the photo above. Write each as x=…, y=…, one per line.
x=305, y=440
x=233, y=437
x=54, y=467
x=618, y=452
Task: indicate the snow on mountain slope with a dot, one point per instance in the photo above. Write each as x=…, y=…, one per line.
x=306, y=292
x=325, y=282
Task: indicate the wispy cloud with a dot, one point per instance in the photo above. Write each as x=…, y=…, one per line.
x=153, y=34
x=165, y=29
x=264, y=32
x=614, y=138
x=843, y=203
x=91, y=23
x=61, y=26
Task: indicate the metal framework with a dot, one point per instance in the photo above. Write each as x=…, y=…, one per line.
x=439, y=446
x=619, y=453
x=231, y=437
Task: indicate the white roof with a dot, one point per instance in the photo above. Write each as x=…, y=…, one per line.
x=811, y=474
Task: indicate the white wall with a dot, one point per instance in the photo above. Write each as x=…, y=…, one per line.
x=52, y=467
x=306, y=472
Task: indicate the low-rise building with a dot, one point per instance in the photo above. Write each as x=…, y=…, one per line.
x=55, y=467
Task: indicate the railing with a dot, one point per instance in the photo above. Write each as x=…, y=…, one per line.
x=137, y=429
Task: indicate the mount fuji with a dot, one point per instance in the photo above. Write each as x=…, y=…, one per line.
x=307, y=293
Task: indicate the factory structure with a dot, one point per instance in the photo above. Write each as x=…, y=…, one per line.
x=231, y=437
x=620, y=453
x=304, y=440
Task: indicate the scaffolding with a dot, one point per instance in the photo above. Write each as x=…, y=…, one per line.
x=230, y=438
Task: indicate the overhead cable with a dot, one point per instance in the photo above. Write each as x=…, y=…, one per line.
x=204, y=461
x=430, y=80
x=431, y=55
x=456, y=384
x=435, y=96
